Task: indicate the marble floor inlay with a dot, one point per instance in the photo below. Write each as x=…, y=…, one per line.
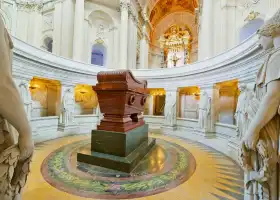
x=165, y=167
x=176, y=168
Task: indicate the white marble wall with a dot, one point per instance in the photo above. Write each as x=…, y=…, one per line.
x=222, y=20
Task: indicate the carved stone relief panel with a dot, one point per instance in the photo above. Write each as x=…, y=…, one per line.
x=48, y=21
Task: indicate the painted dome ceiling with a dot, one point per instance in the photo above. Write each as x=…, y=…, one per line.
x=162, y=8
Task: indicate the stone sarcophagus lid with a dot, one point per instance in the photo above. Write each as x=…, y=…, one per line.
x=121, y=99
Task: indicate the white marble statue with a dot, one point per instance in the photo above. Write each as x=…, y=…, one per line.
x=170, y=109
x=14, y=158
x=100, y=32
x=241, y=117
x=259, y=151
x=26, y=97
x=204, y=111
x=67, y=108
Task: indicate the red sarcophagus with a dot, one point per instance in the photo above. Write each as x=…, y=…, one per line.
x=121, y=99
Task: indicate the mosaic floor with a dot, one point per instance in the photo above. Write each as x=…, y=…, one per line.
x=176, y=169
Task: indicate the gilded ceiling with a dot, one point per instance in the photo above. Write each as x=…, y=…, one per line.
x=165, y=7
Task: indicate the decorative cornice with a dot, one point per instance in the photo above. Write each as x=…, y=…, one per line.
x=30, y=5
x=249, y=3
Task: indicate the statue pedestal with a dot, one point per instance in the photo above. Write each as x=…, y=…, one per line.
x=166, y=129
x=117, y=150
x=206, y=133
x=73, y=128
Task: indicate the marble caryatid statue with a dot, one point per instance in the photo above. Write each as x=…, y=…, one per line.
x=67, y=108
x=259, y=152
x=15, y=156
x=242, y=121
x=26, y=98
x=204, y=110
x=170, y=109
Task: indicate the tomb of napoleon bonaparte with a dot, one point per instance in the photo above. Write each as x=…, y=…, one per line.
x=121, y=140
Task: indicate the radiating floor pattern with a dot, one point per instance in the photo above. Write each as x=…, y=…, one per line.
x=177, y=169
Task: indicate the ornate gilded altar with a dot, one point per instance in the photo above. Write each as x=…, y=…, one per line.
x=176, y=40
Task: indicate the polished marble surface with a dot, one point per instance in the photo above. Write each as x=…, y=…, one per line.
x=209, y=173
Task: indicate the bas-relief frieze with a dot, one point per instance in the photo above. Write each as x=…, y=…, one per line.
x=48, y=21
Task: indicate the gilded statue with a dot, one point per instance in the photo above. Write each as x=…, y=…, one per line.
x=15, y=156
x=259, y=150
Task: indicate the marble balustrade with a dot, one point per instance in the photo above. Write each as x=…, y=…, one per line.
x=240, y=63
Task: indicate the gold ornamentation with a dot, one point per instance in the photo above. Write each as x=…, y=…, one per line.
x=175, y=39
x=175, y=59
x=157, y=92
x=252, y=15
x=166, y=7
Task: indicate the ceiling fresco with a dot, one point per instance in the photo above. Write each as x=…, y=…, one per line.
x=165, y=7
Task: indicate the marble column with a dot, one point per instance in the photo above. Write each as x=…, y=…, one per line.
x=206, y=31
x=170, y=110
x=228, y=29
x=67, y=122
x=57, y=27
x=151, y=105
x=67, y=28
x=144, y=50
x=273, y=6
x=208, y=109
x=123, y=34
x=35, y=28
x=182, y=105
x=78, y=38
x=113, y=52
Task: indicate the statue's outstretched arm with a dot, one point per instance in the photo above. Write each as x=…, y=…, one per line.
x=267, y=110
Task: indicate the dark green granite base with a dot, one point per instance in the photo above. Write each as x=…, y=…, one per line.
x=124, y=164
x=117, y=143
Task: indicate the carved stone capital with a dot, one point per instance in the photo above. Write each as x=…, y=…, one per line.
x=124, y=6
x=112, y=29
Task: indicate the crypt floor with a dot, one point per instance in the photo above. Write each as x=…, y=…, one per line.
x=176, y=169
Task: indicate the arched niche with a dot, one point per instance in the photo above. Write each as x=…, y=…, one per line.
x=48, y=44
x=98, y=55
x=250, y=28
x=98, y=37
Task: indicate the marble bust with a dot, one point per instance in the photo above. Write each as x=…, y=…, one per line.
x=14, y=157
x=259, y=149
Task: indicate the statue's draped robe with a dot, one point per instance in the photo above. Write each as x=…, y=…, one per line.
x=261, y=167
x=13, y=173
